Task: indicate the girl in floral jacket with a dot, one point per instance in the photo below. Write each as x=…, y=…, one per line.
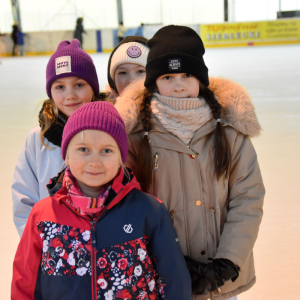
x=98, y=236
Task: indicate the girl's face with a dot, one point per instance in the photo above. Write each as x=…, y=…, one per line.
x=178, y=85
x=94, y=158
x=127, y=73
x=69, y=93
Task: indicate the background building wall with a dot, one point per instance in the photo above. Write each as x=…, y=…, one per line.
x=45, y=15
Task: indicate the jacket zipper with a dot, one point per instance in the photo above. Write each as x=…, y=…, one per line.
x=93, y=254
x=93, y=260
x=154, y=173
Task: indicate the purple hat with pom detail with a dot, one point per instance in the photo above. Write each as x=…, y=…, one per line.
x=99, y=115
x=70, y=60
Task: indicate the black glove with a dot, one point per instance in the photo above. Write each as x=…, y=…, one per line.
x=208, y=277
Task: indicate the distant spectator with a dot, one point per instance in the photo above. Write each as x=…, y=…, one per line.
x=121, y=32
x=14, y=36
x=140, y=30
x=1, y=34
x=20, y=36
x=79, y=31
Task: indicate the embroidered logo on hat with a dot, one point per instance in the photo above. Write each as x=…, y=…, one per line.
x=134, y=52
x=174, y=64
x=63, y=65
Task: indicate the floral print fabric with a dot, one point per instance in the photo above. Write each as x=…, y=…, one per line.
x=124, y=271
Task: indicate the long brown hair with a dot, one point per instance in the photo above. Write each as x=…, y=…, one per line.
x=49, y=114
x=222, y=153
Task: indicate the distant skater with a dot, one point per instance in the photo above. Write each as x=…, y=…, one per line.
x=14, y=36
x=79, y=31
x=121, y=32
x=20, y=35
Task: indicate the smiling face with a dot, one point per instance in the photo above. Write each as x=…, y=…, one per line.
x=178, y=85
x=127, y=73
x=94, y=158
x=69, y=93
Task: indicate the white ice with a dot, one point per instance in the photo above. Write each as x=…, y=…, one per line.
x=272, y=77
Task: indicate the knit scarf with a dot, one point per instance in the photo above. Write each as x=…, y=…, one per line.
x=83, y=204
x=181, y=116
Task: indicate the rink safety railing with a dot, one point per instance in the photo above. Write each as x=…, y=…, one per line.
x=283, y=31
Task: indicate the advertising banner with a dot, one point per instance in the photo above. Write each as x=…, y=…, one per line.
x=251, y=33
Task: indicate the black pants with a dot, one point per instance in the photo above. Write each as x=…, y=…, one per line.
x=14, y=48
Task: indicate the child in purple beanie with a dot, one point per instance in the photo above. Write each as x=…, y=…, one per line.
x=71, y=81
x=98, y=236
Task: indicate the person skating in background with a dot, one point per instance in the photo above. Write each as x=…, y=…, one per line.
x=97, y=236
x=121, y=32
x=20, y=39
x=189, y=145
x=126, y=64
x=79, y=30
x=14, y=36
x=71, y=81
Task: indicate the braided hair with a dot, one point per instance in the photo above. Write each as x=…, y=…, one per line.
x=222, y=153
x=144, y=169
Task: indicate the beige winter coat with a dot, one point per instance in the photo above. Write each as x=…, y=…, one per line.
x=216, y=219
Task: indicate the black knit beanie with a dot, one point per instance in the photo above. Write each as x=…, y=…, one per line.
x=128, y=39
x=175, y=49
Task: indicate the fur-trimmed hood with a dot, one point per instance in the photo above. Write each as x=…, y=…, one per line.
x=237, y=108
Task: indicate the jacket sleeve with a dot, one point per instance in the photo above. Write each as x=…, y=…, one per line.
x=170, y=263
x=25, y=186
x=26, y=263
x=246, y=194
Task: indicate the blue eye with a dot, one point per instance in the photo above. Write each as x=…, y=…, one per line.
x=106, y=151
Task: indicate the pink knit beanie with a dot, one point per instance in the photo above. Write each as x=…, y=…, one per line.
x=99, y=115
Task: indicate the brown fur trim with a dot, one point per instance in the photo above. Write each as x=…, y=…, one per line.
x=237, y=109
x=128, y=104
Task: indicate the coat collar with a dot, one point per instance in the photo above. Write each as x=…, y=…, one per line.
x=237, y=108
x=121, y=186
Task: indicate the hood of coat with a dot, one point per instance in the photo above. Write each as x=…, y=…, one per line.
x=237, y=108
x=121, y=186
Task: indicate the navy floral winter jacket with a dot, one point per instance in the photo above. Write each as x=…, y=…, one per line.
x=130, y=251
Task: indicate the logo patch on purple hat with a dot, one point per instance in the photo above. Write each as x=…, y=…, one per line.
x=134, y=52
x=63, y=65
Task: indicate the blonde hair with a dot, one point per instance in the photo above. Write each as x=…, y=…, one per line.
x=49, y=114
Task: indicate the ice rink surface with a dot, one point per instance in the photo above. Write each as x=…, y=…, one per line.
x=272, y=77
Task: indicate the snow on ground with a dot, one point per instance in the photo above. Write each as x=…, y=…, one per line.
x=272, y=77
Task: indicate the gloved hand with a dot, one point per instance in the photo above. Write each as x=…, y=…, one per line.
x=208, y=277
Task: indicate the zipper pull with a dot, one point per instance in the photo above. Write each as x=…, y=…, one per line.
x=93, y=233
x=156, y=162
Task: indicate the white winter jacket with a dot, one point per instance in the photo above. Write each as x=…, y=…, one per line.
x=35, y=166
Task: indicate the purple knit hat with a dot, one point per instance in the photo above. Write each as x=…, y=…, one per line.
x=99, y=115
x=69, y=60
